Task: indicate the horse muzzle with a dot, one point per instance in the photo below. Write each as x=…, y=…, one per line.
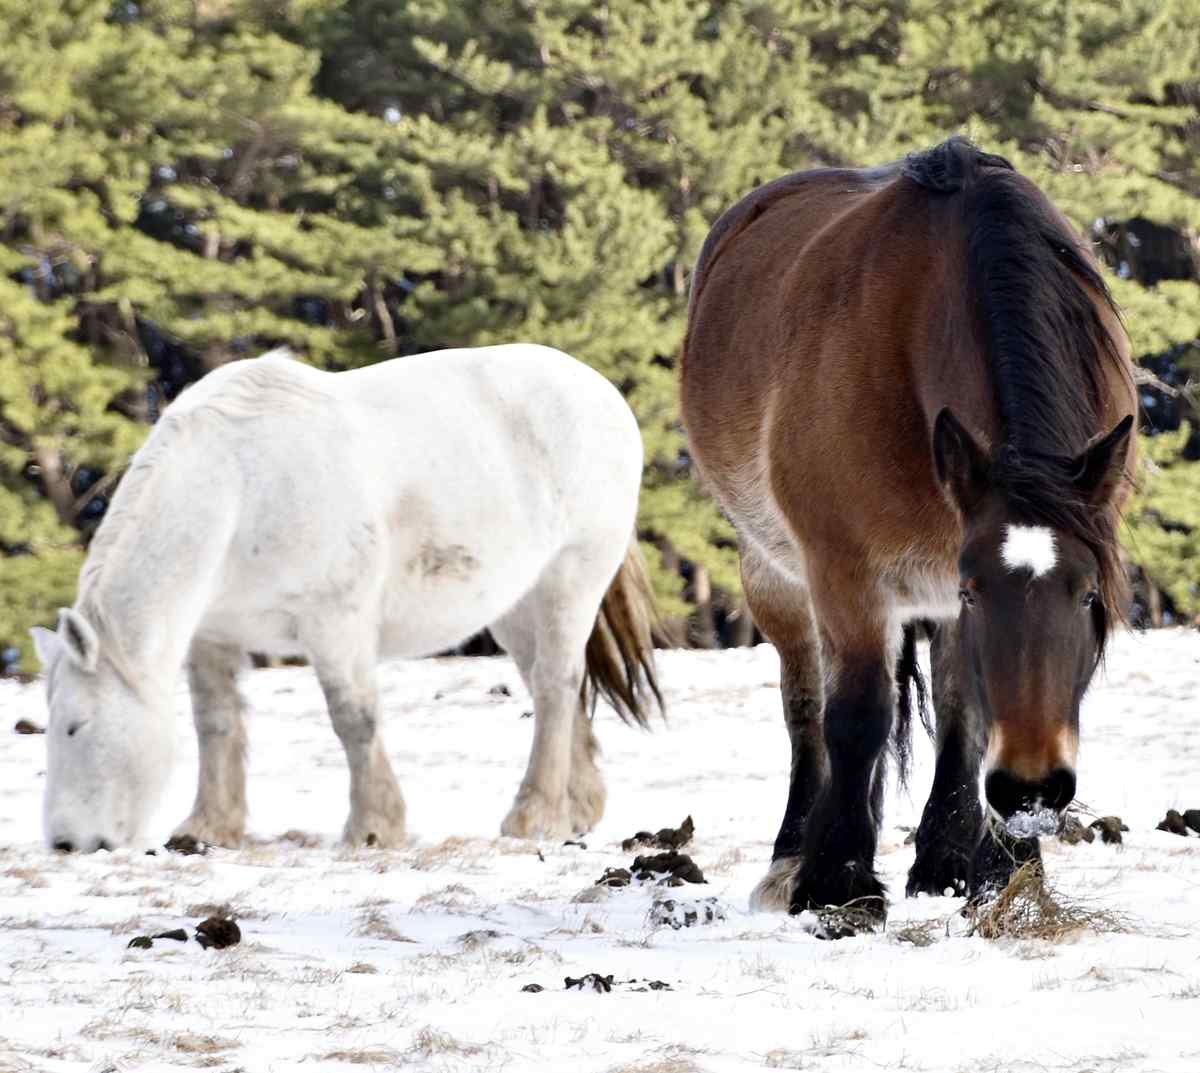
x=89, y=845
x=1027, y=808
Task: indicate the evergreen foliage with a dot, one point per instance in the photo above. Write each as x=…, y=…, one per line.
x=183, y=182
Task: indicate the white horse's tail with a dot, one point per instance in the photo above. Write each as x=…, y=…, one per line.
x=620, y=651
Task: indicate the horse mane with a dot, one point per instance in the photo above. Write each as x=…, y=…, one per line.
x=1037, y=297
x=118, y=527
x=237, y=392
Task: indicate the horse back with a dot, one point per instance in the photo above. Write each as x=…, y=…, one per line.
x=819, y=311
x=830, y=322
x=428, y=491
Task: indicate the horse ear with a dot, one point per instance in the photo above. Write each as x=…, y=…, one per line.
x=1100, y=467
x=45, y=644
x=78, y=638
x=959, y=461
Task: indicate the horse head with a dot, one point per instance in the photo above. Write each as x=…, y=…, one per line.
x=1036, y=605
x=108, y=744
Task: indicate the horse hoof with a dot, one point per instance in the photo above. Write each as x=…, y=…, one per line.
x=938, y=876
x=374, y=835
x=996, y=859
x=587, y=808
x=848, y=901
x=533, y=816
x=774, y=891
x=225, y=835
x=845, y=923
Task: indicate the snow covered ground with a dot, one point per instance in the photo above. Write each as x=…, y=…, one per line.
x=416, y=958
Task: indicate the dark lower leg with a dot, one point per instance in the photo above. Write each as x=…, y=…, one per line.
x=782, y=608
x=839, y=840
x=802, y=712
x=950, y=825
x=997, y=856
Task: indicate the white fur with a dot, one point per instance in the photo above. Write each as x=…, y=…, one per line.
x=773, y=894
x=388, y=511
x=1029, y=547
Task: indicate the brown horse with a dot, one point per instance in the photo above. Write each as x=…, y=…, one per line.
x=911, y=392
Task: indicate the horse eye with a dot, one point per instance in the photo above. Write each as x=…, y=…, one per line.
x=1090, y=597
x=966, y=597
x=72, y=729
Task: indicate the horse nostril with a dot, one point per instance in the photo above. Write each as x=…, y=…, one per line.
x=64, y=845
x=1007, y=794
x=1057, y=791
x=104, y=844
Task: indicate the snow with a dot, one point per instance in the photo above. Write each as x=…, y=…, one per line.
x=416, y=958
x=1043, y=821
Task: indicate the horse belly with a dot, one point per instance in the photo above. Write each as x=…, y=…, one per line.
x=443, y=593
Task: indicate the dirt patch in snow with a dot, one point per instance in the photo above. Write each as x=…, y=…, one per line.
x=670, y=838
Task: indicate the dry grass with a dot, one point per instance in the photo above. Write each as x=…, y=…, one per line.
x=15, y=1062
x=726, y=863
x=190, y=1043
x=194, y=1043
x=373, y=923
x=673, y=1058
x=366, y=1056
x=234, y=910
x=454, y=854
x=831, y=1045
x=61, y=1052
x=27, y=876
x=589, y=925
x=478, y=939
x=1028, y=908
x=303, y=839
x=429, y=1042
x=918, y=932
x=454, y=898
x=935, y=1000
x=666, y=1064
x=762, y=968
x=853, y=918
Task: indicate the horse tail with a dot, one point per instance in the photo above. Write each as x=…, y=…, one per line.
x=620, y=652
x=908, y=678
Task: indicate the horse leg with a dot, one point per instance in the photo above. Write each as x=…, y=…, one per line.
x=562, y=792
x=219, y=813
x=376, y=805
x=952, y=820
x=586, y=789
x=858, y=654
x=955, y=853
x=783, y=611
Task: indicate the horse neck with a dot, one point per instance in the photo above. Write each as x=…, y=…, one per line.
x=148, y=595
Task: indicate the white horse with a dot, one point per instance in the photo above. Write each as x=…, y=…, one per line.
x=393, y=510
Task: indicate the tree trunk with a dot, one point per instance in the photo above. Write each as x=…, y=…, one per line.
x=1154, y=607
x=55, y=482
x=677, y=629
x=705, y=630
x=387, y=326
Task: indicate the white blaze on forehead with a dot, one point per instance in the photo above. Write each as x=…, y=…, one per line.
x=1029, y=547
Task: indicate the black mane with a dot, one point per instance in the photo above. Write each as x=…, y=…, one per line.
x=1037, y=296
